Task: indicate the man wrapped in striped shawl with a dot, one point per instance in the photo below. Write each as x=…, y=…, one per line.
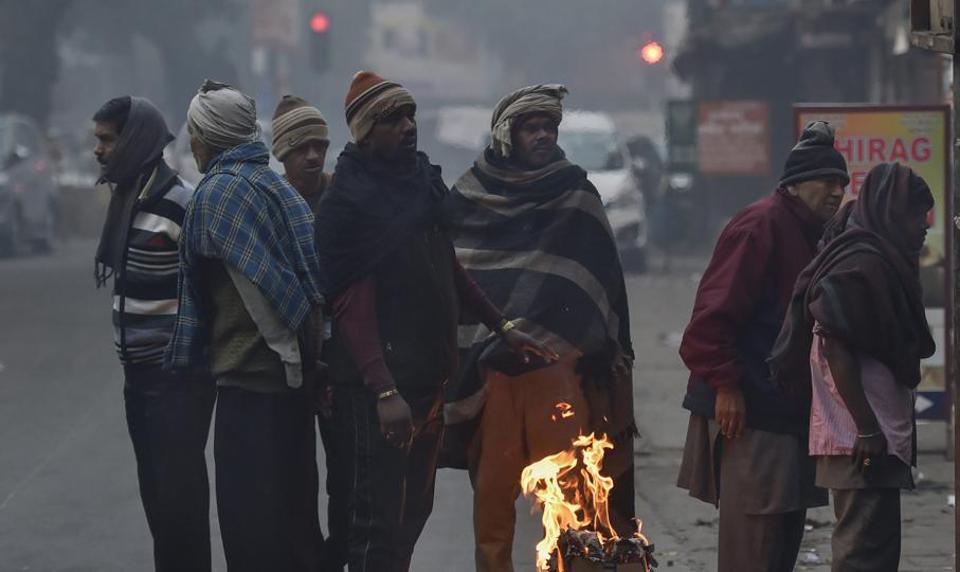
x=532, y=231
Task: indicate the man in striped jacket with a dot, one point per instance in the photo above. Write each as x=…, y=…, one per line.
x=168, y=413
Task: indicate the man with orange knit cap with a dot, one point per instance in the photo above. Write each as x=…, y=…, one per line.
x=397, y=289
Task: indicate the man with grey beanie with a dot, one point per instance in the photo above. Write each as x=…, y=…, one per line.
x=247, y=297
x=168, y=412
x=746, y=447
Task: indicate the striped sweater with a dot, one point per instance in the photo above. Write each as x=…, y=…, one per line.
x=145, y=292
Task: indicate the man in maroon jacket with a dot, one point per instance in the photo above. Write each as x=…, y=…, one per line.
x=746, y=442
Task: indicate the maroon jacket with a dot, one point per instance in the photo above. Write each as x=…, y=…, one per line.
x=740, y=306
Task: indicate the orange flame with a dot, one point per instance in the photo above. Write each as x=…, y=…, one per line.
x=570, y=498
x=565, y=410
x=596, y=486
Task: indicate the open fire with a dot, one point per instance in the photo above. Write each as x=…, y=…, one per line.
x=573, y=495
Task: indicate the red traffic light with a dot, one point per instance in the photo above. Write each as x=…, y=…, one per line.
x=320, y=22
x=651, y=53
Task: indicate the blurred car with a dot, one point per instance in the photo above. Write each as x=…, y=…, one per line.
x=27, y=188
x=180, y=158
x=453, y=137
x=590, y=139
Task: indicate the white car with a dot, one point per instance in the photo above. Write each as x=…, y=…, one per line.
x=591, y=140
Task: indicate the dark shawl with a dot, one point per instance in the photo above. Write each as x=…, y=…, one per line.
x=137, y=152
x=863, y=288
x=367, y=213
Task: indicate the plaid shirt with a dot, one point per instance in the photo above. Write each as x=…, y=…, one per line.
x=248, y=216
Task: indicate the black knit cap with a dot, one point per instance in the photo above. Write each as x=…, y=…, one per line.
x=814, y=157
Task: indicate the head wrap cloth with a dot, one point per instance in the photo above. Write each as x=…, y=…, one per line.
x=533, y=99
x=222, y=117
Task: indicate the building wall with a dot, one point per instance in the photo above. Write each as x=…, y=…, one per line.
x=784, y=53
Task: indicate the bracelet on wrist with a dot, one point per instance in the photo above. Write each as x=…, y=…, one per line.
x=869, y=435
x=387, y=393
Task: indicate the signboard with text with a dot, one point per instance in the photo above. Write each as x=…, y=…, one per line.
x=276, y=23
x=733, y=138
x=918, y=137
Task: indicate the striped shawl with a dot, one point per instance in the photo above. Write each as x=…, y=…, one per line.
x=540, y=246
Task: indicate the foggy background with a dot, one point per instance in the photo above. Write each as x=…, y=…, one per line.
x=68, y=489
x=61, y=59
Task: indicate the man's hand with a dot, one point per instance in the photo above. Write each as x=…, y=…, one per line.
x=525, y=345
x=868, y=451
x=396, y=421
x=731, y=412
x=845, y=368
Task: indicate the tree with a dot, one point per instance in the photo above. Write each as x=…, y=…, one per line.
x=29, y=61
x=173, y=27
x=30, y=33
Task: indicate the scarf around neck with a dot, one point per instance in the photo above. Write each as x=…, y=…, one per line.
x=138, y=152
x=368, y=211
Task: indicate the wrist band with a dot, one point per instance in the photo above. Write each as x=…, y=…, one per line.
x=388, y=393
x=869, y=435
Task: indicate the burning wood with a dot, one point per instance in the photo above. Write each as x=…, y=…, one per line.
x=582, y=550
x=573, y=495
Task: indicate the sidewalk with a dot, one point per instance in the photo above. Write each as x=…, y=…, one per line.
x=684, y=529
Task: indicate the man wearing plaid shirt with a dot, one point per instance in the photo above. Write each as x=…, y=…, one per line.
x=247, y=294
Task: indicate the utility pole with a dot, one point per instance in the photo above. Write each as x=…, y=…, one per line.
x=932, y=24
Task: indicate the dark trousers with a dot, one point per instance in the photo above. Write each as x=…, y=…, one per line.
x=867, y=534
x=334, y=554
x=267, y=480
x=168, y=416
x=389, y=491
